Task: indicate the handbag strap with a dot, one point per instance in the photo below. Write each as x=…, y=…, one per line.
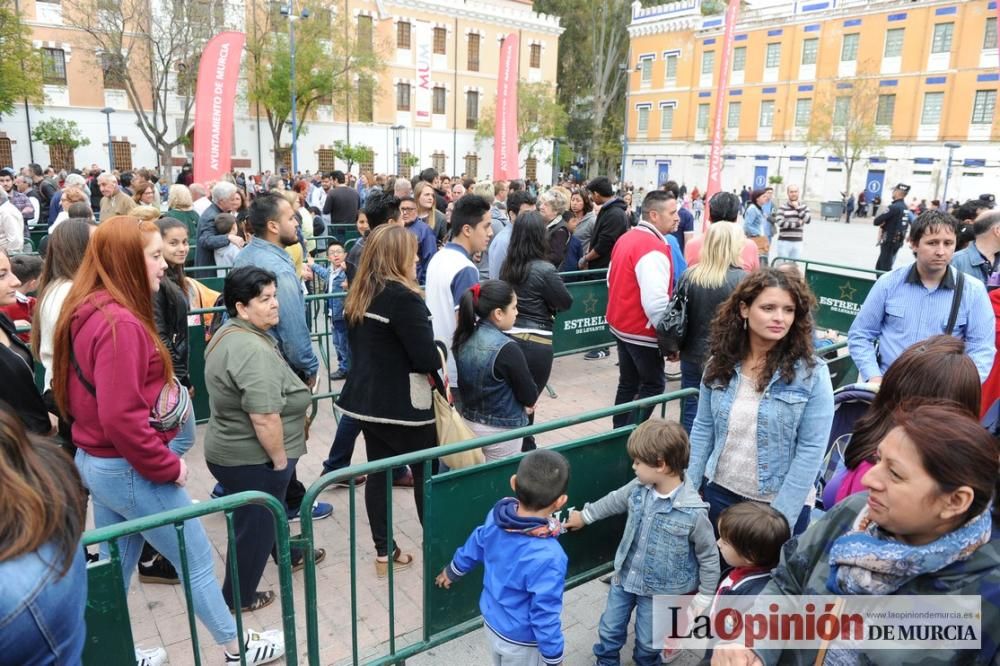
x=442, y=384
x=956, y=300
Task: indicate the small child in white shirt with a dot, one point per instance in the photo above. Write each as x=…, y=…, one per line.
x=225, y=224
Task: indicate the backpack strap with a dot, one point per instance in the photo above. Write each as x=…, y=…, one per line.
x=956, y=300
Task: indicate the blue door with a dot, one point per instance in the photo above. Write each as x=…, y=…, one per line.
x=873, y=187
x=662, y=173
x=759, y=177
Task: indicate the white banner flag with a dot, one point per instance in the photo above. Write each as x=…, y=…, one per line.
x=425, y=44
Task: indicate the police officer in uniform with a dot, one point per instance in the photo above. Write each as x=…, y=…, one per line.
x=893, y=223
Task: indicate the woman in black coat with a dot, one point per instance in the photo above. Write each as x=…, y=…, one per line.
x=393, y=354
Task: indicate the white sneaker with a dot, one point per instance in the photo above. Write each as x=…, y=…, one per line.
x=154, y=657
x=261, y=648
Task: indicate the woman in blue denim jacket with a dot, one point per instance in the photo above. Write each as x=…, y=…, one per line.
x=766, y=402
x=43, y=577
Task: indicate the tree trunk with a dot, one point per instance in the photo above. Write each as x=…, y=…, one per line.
x=166, y=165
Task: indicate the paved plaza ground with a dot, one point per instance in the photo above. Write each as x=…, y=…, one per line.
x=158, y=612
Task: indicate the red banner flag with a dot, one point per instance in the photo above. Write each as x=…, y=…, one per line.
x=505, y=153
x=715, y=155
x=215, y=102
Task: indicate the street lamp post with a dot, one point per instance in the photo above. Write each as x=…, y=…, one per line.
x=289, y=11
x=107, y=111
x=951, y=146
x=396, y=129
x=624, y=68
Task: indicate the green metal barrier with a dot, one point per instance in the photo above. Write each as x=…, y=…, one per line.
x=109, y=628
x=840, y=291
x=583, y=327
x=456, y=501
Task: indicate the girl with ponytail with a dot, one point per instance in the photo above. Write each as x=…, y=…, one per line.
x=497, y=388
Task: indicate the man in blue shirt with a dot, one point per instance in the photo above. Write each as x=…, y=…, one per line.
x=980, y=257
x=426, y=240
x=685, y=229
x=518, y=202
x=271, y=218
x=914, y=302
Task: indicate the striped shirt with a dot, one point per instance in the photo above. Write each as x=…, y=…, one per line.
x=792, y=217
x=900, y=311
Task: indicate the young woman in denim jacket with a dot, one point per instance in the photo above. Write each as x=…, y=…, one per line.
x=766, y=402
x=498, y=391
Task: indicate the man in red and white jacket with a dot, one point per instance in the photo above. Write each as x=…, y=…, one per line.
x=640, y=282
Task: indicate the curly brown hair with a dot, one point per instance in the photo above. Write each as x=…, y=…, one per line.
x=729, y=342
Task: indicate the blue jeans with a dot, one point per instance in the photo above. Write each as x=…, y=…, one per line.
x=185, y=437
x=690, y=378
x=120, y=493
x=339, y=330
x=41, y=614
x=719, y=499
x=342, y=448
x=613, y=630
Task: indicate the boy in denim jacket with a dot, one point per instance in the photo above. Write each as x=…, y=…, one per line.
x=335, y=279
x=525, y=566
x=668, y=546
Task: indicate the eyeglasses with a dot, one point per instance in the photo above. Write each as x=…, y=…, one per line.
x=407, y=210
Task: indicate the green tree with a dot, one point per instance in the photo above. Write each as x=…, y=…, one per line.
x=59, y=132
x=356, y=154
x=151, y=51
x=328, y=55
x=539, y=116
x=21, y=64
x=844, y=122
x=593, y=54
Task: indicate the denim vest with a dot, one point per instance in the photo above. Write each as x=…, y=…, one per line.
x=485, y=398
x=793, y=426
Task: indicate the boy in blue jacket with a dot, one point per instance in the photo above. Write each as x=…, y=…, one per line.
x=668, y=546
x=334, y=279
x=525, y=566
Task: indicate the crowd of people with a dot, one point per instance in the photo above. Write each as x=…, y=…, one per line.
x=453, y=282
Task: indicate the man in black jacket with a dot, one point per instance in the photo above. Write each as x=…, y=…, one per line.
x=893, y=223
x=611, y=223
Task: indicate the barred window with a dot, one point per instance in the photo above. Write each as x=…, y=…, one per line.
x=670, y=67
x=403, y=29
x=440, y=41
x=61, y=157
x=366, y=103
x=707, y=62
x=990, y=36
x=326, y=158
x=402, y=96
x=365, y=33
x=535, y=56
x=53, y=66
x=531, y=168
x=471, y=166
x=666, y=120
x=440, y=96
x=473, y=55
x=437, y=161
x=122, y=152
x=471, y=109
x=6, y=153
x=703, y=117
x=112, y=68
x=642, y=113
x=405, y=170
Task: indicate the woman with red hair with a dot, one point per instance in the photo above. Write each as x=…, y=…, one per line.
x=113, y=377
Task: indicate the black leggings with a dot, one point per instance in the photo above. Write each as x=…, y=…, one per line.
x=384, y=440
x=539, y=358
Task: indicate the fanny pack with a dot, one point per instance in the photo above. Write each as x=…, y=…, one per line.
x=170, y=409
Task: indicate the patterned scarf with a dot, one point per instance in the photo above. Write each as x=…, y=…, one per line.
x=866, y=560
